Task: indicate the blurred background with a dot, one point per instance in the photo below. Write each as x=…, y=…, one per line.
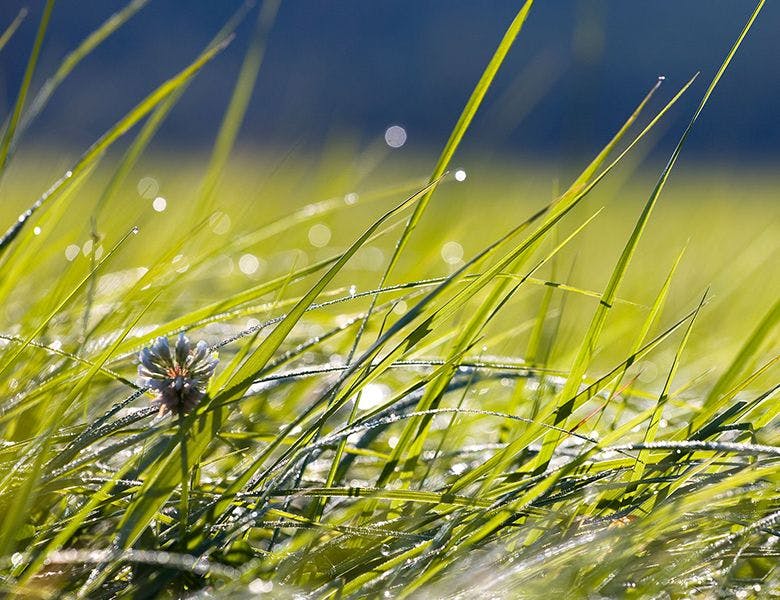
x=352, y=68
x=354, y=101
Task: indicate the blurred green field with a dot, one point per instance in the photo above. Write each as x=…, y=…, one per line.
x=290, y=211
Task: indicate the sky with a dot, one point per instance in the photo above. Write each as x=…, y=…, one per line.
x=355, y=67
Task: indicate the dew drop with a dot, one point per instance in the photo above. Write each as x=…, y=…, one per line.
x=395, y=136
x=220, y=223
x=319, y=235
x=71, y=252
x=248, y=264
x=452, y=253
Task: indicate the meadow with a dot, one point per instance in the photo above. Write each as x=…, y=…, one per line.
x=450, y=375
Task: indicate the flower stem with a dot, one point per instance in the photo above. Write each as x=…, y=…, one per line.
x=184, y=498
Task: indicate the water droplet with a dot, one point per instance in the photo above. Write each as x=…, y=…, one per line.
x=372, y=395
x=220, y=223
x=181, y=262
x=248, y=264
x=352, y=290
x=159, y=204
x=351, y=198
x=458, y=468
x=71, y=252
x=385, y=550
x=400, y=307
x=147, y=187
x=258, y=586
x=135, y=230
x=452, y=253
x=319, y=235
x=395, y=136
x=37, y=231
x=460, y=175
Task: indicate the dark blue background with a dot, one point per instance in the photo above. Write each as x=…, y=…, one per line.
x=356, y=66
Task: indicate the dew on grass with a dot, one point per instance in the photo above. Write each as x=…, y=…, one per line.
x=223, y=265
x=72, y=251
x=373, y=395
x=258, y=586
x=159, y=204
x=147, y=187
x=400, y=307
x=319, y=235
x=460, y=175
x=248, y=264
x=458, y=468
x=395, y=136
x=181, y=263
x=352, y=290
x=220, y=223
x=37, y=231
x=86, y=249
x=351, y=198
x=452, y=252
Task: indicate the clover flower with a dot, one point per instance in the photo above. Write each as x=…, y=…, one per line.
x=179, y=376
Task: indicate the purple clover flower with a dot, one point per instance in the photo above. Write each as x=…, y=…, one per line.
x=179, y=376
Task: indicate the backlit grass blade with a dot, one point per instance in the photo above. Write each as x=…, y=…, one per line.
x=591, y=339
x=10, y=129
x=11, y=29
x=92, y=41
x=239, y=101
x=161, y=483
x=654, y=423
x=118, y=130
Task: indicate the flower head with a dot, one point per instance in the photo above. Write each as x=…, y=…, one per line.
x=178, y=376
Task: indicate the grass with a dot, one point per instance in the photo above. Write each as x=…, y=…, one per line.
x=426, y=388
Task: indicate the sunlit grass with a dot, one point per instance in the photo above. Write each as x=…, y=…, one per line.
x=389, y=418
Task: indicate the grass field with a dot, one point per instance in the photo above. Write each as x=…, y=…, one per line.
x=516, y=384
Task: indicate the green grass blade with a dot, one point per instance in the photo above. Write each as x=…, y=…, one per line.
x=118, y=130
x=92, y=41
x=21, y=96
x=11, y=29
x=590, y=341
